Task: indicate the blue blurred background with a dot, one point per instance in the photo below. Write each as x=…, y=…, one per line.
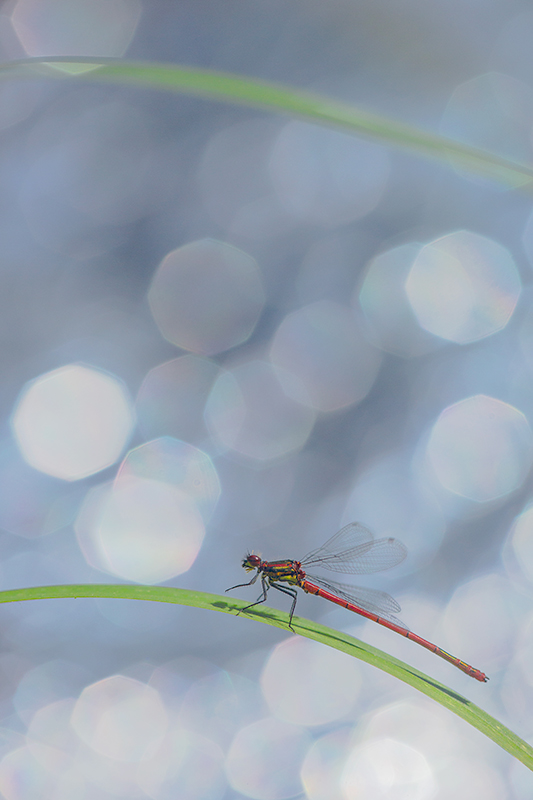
x=224, y=330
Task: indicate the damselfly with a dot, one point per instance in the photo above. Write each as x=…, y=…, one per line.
x=352, y=550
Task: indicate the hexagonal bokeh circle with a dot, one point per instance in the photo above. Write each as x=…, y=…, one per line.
x=481, y=448
x=206, y=297
x=140, y=529
x=73, y=422
x=75, y=27
x=463, y=287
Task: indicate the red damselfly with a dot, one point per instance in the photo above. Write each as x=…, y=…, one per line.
x=352, y=550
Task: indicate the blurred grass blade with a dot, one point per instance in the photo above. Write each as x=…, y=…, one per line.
x=319, y=633
x=276, y=98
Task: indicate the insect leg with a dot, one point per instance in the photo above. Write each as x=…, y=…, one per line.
x=292, y=593
x=239, y=585
x=262, y=597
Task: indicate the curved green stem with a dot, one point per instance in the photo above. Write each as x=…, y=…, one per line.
x=273, y=97
x=340, y=641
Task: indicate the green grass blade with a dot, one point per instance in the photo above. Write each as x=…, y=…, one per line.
x=340, y=641
x=277, y=98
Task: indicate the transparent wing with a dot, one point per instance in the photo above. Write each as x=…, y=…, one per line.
x=354, y=550
x=373, y=600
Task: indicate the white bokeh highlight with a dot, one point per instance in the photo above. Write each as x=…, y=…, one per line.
x=463, y=287
x=293, y=683
x=324, y=763
x=521, y=539
x=50, y=737
x=387, y=768
x=186, y=765
x=264, y=760
x=140, y=530
x=22, y=776
x=75, y=27
x=481, y=448
x=120, y=718
x=73, y=422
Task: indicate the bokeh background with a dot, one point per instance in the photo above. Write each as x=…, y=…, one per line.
x=223, y=330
